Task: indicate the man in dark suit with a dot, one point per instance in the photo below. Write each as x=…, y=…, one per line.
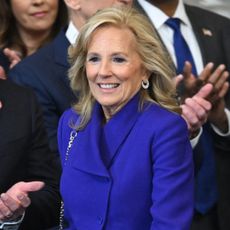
x=25, y=156
x=46, y=70
x=207, y=35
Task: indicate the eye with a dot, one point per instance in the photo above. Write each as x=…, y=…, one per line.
x=119, y=59
x=93, y=59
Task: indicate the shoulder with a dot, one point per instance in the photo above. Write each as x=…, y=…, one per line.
x=161, y=116
x=197, y=12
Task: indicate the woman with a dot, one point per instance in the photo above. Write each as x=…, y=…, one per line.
x=130, y=165
x=27, y=25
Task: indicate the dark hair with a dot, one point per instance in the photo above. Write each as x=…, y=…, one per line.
x=9, y=35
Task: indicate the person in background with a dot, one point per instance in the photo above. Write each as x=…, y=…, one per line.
x=131, y=160
x=30, y=172
x=28, y=25
x=206, y=35
x=46, y=70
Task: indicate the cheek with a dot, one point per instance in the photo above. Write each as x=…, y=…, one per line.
x=18, y=10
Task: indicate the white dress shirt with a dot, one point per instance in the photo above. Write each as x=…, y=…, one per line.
x=71, y=33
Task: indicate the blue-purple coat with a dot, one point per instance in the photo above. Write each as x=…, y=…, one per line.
x=133, y=173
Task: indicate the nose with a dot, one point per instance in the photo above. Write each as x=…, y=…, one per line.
x=104, y=69
x=37, y=2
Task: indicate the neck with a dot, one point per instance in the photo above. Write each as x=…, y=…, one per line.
x=33, y=40
x=167, y=6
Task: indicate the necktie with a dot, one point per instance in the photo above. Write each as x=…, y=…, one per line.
x=181, y=48
x=206, y=188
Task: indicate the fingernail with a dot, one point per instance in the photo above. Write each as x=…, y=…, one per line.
x=3, y=196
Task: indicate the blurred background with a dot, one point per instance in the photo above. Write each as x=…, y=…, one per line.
x=218, y=6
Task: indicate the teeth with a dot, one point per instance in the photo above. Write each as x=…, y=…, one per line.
x=108, y=86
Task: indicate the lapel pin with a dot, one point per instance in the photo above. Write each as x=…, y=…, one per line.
x=207, y=32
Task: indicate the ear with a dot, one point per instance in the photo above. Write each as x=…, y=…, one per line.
x=73, y=4
x=146, y=75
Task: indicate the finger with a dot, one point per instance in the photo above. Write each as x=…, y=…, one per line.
x=178, y=79
x=190, y=117
x=205, y=91
x=221, y=80
x=205, y=104
x=13, y=63
x=187, y=70
x=216, y=74
x=198, y=110
x=205, y=74
x=25, y=187
x=9, y=202
x=224, y=90
x=5, y=212
x=24, y=200
x=11, y=54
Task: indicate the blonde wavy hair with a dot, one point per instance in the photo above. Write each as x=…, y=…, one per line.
x=158, y=65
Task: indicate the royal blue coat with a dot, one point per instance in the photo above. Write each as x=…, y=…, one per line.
x=133, y=173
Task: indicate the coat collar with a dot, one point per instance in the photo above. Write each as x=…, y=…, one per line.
x=61, y=45
x=97, y=145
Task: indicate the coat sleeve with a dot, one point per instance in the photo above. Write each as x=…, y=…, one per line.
x=27, y=75
x=173, y=191
x=43, y=165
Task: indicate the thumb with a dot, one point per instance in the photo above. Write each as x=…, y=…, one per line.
x=33, y=186
x=205, y=91
x=178, y=79
x=25, y=187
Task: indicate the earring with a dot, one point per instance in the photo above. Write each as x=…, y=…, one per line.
x=145, y=84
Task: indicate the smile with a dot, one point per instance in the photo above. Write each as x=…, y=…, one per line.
x=108, y=85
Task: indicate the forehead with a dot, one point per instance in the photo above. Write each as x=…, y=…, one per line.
x=111, y=35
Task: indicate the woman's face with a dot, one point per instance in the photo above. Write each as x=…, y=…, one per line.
x=35, y=15
x=113, y=68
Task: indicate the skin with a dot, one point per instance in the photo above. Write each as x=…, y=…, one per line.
x=34, y=20
x=113, y=67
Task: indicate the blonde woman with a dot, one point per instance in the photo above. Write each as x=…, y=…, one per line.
x=130, y=165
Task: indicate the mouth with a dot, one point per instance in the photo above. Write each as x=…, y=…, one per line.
x=108, y=85
x=39, y=14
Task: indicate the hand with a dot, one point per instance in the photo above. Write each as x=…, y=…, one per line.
x=218, y=78
x=195, y=109
x=14, y=202
x=190, y=84
x=13, y=56
x=2, y=73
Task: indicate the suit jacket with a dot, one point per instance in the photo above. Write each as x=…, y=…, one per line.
x=46, y=73
x=130, y=173
x=216, y=49
x=25, y=156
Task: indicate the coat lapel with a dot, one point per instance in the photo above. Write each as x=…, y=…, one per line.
x=206, y=35
x=87, y=147
x=117, y=130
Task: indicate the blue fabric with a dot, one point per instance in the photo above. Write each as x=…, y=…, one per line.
x=182, y=50
x=143, y=170
x=206, y=188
